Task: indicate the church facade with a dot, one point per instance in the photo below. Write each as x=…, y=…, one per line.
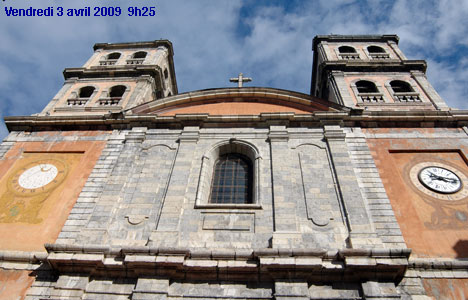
x=122, y=188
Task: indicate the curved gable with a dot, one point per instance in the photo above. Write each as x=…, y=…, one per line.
x=236, y=101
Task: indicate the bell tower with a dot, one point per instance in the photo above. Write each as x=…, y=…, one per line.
x=372, y=73
x=116, y=77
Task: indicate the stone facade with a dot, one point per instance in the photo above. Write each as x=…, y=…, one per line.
x=325, y=220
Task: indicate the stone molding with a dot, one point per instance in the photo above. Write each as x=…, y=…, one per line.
x=252, y=264
x=353, y=118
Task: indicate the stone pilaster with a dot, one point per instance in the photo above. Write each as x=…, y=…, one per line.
x=284, y=203
x=362, y=233
x=168, y=225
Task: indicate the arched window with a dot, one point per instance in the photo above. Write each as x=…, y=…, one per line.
x=229, y=176
x=376, y=52
x=346, y=49
x=399, y=86
x=403, y=91
x=110, y=59
x=86, y=92
x=364, y=86
x=115, y=95
x=137, y=58
x=232, y=180
x=375, y=49
x=117, y=91
x=113, y=56
x=139, y=54
x=367, y=91
x=347, y=52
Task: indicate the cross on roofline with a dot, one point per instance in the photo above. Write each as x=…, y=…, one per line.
x=240, y=79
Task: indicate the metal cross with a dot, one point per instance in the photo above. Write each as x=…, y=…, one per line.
x=241, y=79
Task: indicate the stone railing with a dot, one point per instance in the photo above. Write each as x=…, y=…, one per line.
x=108, y=62
x=379, y=55
x=407, y=97
x=110, y=100
x=371, y=97
x=77, y=101
x=349, y=56
x=135, y=61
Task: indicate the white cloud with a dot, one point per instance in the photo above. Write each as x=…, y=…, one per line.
x=210, y=45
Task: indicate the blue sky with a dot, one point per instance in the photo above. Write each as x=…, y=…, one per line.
x=214, y=40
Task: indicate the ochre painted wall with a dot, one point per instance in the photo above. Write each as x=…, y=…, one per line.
x=431, y=226
x=14, y=284
x=446, y=289
x=234, y=108
x=31, y=217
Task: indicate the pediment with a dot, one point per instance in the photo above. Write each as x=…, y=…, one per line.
x=236, y=101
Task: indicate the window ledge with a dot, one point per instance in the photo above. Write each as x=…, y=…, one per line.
x=229, y=206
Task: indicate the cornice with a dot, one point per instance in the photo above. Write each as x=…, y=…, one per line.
x=352, y=118
x=253, y=264
x=112, y=71
x=135, y=45
x=353, y=38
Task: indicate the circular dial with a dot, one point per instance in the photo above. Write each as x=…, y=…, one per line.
x=38, y=176
x=440, y=180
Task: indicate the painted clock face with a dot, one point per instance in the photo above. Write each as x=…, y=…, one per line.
x=440, y=180
x=37, y=177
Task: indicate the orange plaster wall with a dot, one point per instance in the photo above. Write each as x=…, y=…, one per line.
x=80, y=156
x=234, y=108
x=429, y=226
x=446, y=289
x=14, y=284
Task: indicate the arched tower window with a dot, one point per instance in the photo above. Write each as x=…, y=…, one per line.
x=375, y=49
x=110, y=59
x=367, y=91
x=364, y=86
x=115, y=95
x=86, y=92
x=139, y=54
x=137, y=58
x=346, y=49
x=347, y=52
x=399, y=86
x=232, y=180
x=117, y=91
x=376, y=52
x=113, y=56
x=403, y=91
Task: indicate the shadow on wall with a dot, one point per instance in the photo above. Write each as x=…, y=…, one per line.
x=461, y=248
